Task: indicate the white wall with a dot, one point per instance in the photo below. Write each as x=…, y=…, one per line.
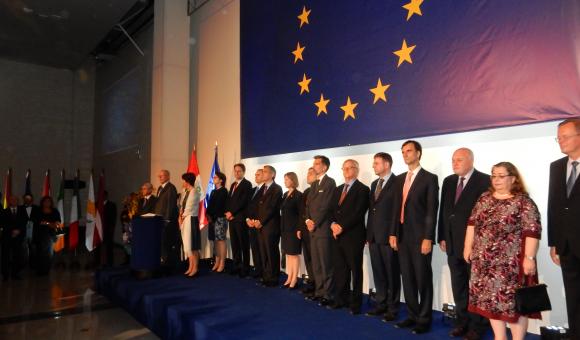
x=215, y=96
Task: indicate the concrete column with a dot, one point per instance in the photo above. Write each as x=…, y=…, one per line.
x=170, y=102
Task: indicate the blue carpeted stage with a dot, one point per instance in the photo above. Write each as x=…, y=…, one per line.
x=220, y=306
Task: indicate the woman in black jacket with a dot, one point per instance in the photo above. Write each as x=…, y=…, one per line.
x=291, y=246
x=218, y=225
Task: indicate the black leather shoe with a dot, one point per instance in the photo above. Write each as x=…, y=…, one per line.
x=407, y=323
x=457, y=331
x=354, y=310
x=376, y=311
x=335, y=305
x=313, y=298
x=389, y=316
x=471, y=335
x=324, y=302
x=307, y=290
x=420, y=329
x=256, y=275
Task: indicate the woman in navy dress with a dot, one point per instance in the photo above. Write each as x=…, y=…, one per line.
x=290, y=221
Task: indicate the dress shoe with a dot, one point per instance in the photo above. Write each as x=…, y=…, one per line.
x=407, y=323
x=471, y=335
x=313, y=298
x=420, y=329
x=457, y=331
x=335, y=305
x=389, y=316
x=307, y=295
x=307, y=290
x=256, y=275
x=354, y=310
x=376, y=311
x=324, y=302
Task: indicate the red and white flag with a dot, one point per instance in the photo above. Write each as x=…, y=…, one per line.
x=193, y=167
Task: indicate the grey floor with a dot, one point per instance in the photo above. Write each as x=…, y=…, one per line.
x=63, y=306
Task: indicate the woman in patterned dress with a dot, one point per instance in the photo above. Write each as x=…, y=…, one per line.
x=501, y=243
x=218, y=225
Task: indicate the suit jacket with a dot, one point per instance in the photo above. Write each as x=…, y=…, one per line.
x=350, y=215
x=420, y=208
x=291, y=211
x=166, y=204
x=563, y=211
x=319, y=205
x=252, y=208
x=302, y=223
x=109, y=218
x=382, y=213
x=268, y=210
x=238, y=201
x=146, y=207
x=10, y=222
x=453, y=217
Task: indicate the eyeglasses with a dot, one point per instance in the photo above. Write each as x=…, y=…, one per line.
x=500, y=176
x=564, y=137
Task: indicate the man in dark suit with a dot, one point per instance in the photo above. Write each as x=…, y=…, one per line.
x=147, y=201
x=236, y=205
x=417, y=201
x=384, y=260
x=32, y=212
x=564, y=217
x=166, y=206
x=459, y=194
x=109, y=223
x=13, y=223
x=252, y=215
x=304, y=235
x=349, y=206
x=268, y=225
x=318, y=211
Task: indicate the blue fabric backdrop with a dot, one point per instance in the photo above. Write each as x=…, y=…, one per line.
x=475, y=64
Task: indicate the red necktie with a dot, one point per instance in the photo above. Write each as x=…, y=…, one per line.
x=343, y=194
x=406, y=189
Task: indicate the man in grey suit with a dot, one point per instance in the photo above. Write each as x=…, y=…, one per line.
x=166, y=206
x=318, y=224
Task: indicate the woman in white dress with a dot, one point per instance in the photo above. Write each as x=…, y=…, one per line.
x=189, y=223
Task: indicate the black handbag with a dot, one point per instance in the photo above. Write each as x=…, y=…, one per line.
x=532, y=299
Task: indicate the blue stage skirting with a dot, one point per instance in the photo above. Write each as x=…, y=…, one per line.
x=220, y=306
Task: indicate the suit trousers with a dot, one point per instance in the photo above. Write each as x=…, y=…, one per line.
x=460, y=272
x=11, y=256
x=254, y=236
x=387, y=276
x=571, y=273
x=239, y=239
x=348, y=262
x=417, y=277
x=270, y=252
x=307, y=254
x=322, y=266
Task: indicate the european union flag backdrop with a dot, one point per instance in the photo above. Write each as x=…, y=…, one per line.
x=319, y=73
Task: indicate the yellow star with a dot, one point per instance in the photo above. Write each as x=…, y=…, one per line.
x=348, y=109
x=379, y=91
x=404, y=53
x=321, y=105
x=413, y=7
x=304, y=16
x=304, y=84
x=298, y=52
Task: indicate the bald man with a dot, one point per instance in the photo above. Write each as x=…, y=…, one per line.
x=459, y=194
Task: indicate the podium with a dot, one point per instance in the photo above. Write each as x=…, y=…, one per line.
x=146, y=246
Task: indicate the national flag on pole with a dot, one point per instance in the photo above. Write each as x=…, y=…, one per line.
x=100, y=209
x=46, y=185
x=59, y=243
x=27, y=190
x=73, y=233
x=194, y=169
x=92, y=237
x=7, y=189
x=210, y=184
